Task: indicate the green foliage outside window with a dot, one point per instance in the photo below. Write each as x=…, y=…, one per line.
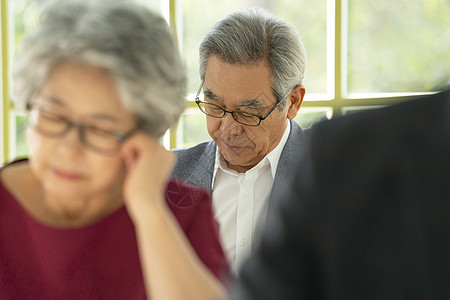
x=398, y=46
x=392, y=46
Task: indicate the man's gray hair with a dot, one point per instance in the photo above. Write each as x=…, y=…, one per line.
x=133, y=44
x=253, y=36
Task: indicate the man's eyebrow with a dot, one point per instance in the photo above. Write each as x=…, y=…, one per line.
x=252, y=103
x=210, y=95
x=249, y=103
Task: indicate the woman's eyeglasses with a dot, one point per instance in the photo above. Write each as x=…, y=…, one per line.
x=52, y=125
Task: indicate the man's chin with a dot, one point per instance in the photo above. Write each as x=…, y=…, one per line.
x=237, y=163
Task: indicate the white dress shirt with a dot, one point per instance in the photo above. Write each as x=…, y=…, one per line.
x=240, y=202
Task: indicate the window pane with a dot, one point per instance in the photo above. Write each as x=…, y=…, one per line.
x=24, y=19
x=307, y=116
x=21, y=126
x=309, y=17
x=192, y=128
x=398, y=46
x=356, y=109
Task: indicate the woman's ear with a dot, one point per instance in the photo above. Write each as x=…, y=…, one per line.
x=295, y=100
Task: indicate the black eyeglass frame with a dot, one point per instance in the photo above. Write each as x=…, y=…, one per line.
x=232, y=112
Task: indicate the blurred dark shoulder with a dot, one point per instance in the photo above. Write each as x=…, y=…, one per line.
x=414, y=121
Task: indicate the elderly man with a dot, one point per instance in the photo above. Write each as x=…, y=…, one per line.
x=251, y=67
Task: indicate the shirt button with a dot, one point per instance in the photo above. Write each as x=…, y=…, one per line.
x=245, y=194
x=243, y=243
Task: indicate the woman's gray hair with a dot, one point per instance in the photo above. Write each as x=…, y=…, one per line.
x=133, y=44
x=253, y=36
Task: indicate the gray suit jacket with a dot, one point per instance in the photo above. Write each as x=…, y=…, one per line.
x=196, y=164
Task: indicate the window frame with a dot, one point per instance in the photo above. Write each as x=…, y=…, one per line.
x=6, y=100
x=337, y=98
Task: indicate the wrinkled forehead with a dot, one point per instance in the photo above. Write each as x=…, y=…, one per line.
x=82, y=90
x=236, y=84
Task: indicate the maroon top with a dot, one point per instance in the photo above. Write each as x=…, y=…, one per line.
x=97, y=261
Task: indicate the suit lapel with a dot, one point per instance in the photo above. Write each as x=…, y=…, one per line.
x=290, y=156
x=202, y=173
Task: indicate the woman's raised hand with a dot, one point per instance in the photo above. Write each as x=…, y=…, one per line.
x=148, y=167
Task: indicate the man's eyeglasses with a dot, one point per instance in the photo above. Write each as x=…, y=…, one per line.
x=215, y=111
x=56, y=126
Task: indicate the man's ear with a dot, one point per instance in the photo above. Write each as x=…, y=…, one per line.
x=295, y=100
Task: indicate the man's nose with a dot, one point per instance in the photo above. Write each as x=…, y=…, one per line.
x=230, y=126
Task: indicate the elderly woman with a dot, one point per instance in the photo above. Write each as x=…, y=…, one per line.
x=91, y=213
